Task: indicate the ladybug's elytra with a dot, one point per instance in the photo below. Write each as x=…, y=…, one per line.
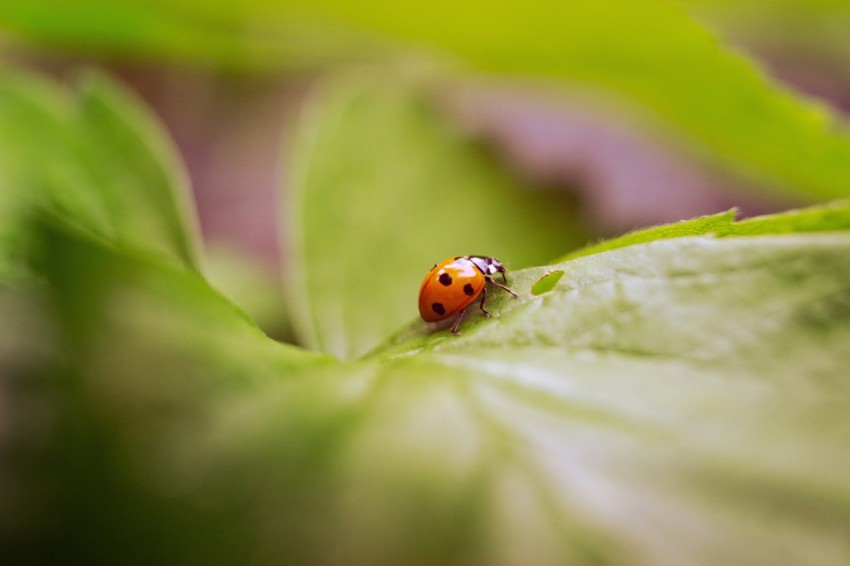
x=454, y=283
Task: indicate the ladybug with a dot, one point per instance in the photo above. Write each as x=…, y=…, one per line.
x=454, y=283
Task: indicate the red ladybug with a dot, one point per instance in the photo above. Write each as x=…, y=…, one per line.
x=454, y=283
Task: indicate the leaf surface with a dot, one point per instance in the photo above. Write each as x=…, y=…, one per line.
x=665, y=402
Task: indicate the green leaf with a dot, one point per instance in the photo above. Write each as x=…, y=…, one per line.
x=133, y=159
x=673, y=401
x=648, y=54
x=624, y=253
x=834, y=216
x=713, y=224
x=255, y=35
x=781, y=26
x=153, y=300
x=829, y=217
x=381, y=188
x=665, y=308
x=96, y=160
x=663, y=380
x=120, y=366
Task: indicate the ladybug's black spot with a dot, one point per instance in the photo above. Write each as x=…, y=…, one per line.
x=445, y=279
x=468, y=289
x=439, y=308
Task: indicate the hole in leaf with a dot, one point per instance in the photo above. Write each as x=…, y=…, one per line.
x=547, y=282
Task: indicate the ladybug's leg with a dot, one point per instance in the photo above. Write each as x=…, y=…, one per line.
x=481, y=304
x=456, y=324
x=500, y=286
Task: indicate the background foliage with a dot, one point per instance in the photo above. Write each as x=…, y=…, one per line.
x=677, y=394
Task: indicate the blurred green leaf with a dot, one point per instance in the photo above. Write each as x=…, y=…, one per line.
x=381, y=188
x=252, y=35
x=254, y=287
x=96, y=160
x=674, y=401
x=121, y=368
x=157, y=305
x=648, y=53
x=809, y=31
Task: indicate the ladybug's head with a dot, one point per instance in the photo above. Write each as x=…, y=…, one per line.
x=488, y=265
